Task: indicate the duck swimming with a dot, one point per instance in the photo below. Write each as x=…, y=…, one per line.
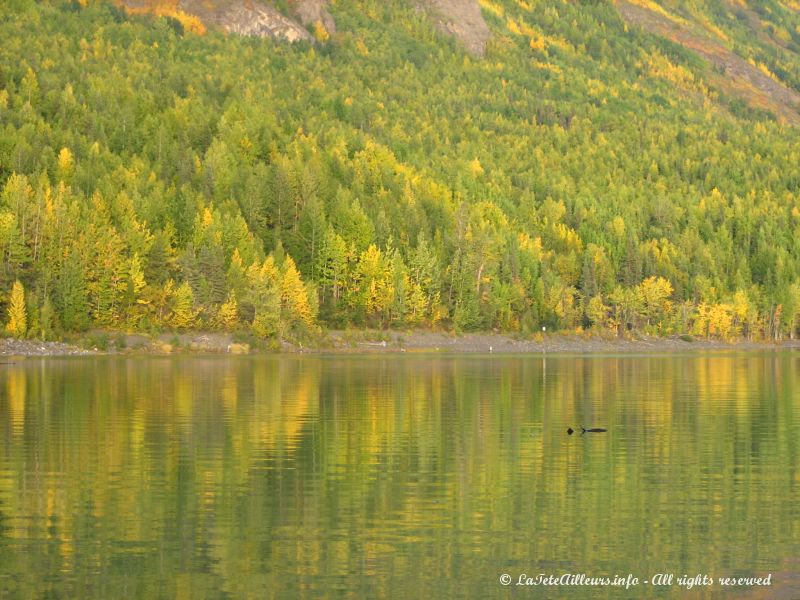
x=570, y=430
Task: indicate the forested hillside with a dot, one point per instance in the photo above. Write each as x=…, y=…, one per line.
x=584, y=173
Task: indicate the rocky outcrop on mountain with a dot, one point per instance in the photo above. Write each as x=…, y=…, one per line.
x=311, y=12
x=242, y=17
x=256, y=19
x=462, y=19
x=310, y=19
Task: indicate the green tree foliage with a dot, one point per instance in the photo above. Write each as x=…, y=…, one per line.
x=332, y=267
x=71, y=294
x=582, y=174
x=47, y=321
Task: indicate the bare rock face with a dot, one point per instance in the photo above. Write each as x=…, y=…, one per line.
x=242, y=17
x=461, y=19
x=311, y=12
x=260, y=20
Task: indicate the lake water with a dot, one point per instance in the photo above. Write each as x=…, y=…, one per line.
x=413, y=476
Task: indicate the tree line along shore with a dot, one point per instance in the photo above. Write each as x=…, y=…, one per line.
x=157, y=180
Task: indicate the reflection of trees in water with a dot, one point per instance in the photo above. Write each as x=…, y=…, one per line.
x=253, y=469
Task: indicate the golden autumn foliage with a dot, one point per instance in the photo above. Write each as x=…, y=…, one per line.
x=320, y=32
x=475, y=167
x=183, y=312
x=493, y=7
x=294, y=296
x=714, y=320
x=228, y=315
x=66, y=164
x=170, y=8
x=17, y=325
x=537, y=43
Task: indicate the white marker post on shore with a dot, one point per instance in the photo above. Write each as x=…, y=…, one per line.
x=544, y=355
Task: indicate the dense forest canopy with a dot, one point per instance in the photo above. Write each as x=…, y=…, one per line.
x=583, y=174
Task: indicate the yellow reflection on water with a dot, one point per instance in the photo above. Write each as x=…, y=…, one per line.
x=16, y=389
x=301, y=473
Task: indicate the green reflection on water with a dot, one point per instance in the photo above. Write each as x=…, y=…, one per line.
x=402, y=477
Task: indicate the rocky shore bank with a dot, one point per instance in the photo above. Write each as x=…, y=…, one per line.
x=372, y=341
x=12, y=347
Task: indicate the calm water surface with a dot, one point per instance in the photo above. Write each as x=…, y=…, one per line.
x=399, y=477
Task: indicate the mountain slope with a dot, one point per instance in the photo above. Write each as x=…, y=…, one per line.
x=751, y=81
x=241, y=17
x=585, y=173
x=460, y=18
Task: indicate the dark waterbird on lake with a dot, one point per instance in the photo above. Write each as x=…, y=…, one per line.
x=570, y=430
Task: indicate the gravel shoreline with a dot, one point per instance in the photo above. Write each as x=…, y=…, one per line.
x=555, y=344
x=12, y=347
x=383, y=342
